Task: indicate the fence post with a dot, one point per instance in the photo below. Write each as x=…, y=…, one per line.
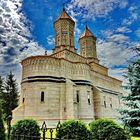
x=44, y=129
x=51, y=133
x=58, y=128
x=8, y=119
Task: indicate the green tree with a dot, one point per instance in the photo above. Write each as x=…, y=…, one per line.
x=130, y=115
x=105, y=129
x=72, y=129
x=27, y=127
x=10, y=96
x=2, y=129
x=1, y=92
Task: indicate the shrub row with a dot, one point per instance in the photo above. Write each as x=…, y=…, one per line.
x=101, y=129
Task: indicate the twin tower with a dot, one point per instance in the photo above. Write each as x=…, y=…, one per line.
x=64, y=37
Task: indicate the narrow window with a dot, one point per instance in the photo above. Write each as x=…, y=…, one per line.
x=104, y=101
x=77, y=96
x=119, y=100
x=89, y=98
x=58, y=40
x=23, y=100
x=110, y=102
x=42, y=96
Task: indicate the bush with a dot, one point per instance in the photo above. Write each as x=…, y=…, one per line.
x=2, y=129
x=72, y=129
x=26, y=127
x=104, y=129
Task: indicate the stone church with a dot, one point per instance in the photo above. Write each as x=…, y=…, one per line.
x=67, y=85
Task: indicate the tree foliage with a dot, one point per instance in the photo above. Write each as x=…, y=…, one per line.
x=2, y=129
x=104, y=129
x=72, y=129
x=26, y=127
x=1, y=92
x=10, y=96
x=130, y=115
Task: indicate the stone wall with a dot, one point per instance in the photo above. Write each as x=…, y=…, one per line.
x=70, y=56
x=60, y=80
x=50, y=66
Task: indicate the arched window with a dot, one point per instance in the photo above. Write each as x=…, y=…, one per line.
x=110, y=99
x=104, y=101
x=42, y=96
x=89, y=98
x=23, y=99
x=77, y=96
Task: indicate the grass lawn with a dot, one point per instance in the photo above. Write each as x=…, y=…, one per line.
x=48, y=134
x=54, y=134
x=135, y=138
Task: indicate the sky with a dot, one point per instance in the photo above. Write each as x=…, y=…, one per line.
x=27, y=29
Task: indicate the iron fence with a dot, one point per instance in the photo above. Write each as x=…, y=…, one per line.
x=25, y=137
x=44, y=129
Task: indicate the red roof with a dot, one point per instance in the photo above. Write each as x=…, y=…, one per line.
x=64, y=15
x=87, y=33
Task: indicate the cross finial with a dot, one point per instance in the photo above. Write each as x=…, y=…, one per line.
x=63, y=6
x=86, y=24
x=46, y=52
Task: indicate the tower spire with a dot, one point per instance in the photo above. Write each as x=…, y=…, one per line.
x=88, y=48
x=86, y=24
x=64, y=7
x=64, y=32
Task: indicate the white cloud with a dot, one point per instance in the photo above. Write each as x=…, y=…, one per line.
x=123, y=4
x=118, y=73
x=115, y=51
x=50, y=18
x=50, y=40
x=16, y=41
x=133, y=16
x=123, y=29
x=95, y=8
x=112, y=54
x=137, y=32
x=119, y=38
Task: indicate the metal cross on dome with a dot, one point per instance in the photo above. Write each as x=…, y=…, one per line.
x=64, y=6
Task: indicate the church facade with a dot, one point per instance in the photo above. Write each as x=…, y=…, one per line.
x=67, y=85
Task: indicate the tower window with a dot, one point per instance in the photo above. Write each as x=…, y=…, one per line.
x=77, y=96
x=23, y=100
x=104, y=101
x=89, y=102
x=119, y=100
x=110, y=102
x=42, y=96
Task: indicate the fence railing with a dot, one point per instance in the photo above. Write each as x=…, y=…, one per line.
x=25, y=137
x=43, y=129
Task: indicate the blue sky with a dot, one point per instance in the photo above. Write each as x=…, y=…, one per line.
x=26, y=28
x=117, y=14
